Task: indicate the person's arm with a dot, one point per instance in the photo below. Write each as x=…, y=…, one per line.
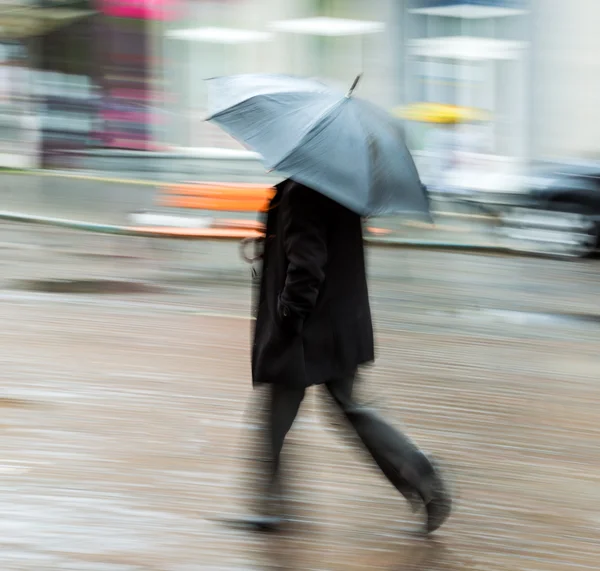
x=305, y=242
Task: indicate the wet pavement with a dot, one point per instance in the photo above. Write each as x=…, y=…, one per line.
x=123, y=414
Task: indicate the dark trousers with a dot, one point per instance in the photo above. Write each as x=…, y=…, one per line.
x=397, y=456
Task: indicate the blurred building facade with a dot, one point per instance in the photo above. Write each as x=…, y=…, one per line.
x=129, y=73
x=530, y=63
x=303, y=37
x=77, y=75
x=406, y=49
x=565, y=81
x=46, y=60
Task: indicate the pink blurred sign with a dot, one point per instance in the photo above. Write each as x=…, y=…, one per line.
x=140, y=9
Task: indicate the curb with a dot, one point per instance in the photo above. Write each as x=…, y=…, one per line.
x=65, y=223
x=126, y=231
x=90, y=177
x=407, y=243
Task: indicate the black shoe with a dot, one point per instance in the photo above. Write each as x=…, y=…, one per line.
x=436, y=497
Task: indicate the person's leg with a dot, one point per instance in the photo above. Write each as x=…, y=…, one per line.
x=284, y=406
x=278, y=409
x=398, y=457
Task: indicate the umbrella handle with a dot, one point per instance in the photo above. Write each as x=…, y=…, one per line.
x=354, y=84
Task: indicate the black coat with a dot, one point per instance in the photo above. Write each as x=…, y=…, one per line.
x=313, y=320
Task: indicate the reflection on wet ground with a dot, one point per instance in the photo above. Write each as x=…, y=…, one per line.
x=97, y=286
x=123, y=424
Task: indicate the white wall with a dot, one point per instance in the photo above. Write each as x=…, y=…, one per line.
x=566, y=78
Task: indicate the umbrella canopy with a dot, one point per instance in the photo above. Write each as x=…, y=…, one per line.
x=441, y=113
x=346, y=148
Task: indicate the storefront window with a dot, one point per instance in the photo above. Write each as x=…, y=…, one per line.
x=18, y=133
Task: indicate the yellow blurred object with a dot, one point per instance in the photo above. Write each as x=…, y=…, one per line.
x=440, y=113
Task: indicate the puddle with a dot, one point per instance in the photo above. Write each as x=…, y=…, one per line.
x=90, y=286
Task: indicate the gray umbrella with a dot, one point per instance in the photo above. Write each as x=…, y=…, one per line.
x=346, y=148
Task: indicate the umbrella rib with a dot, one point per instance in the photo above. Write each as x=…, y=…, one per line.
x=232, y=108
x=368, y=155
x=311, y=128
x=243, y=102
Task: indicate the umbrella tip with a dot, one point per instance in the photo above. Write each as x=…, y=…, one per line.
x=353, y=86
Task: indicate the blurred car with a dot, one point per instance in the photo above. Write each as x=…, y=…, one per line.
x=559, y=213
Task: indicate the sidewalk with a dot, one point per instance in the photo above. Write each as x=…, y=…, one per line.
x=123, y=432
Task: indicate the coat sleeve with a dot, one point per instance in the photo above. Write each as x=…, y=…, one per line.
x=305, y=242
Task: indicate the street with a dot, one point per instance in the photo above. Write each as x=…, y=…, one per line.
x=124, y=414
x=95, y=199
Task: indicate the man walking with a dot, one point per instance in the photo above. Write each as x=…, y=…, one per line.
x=313, y=327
